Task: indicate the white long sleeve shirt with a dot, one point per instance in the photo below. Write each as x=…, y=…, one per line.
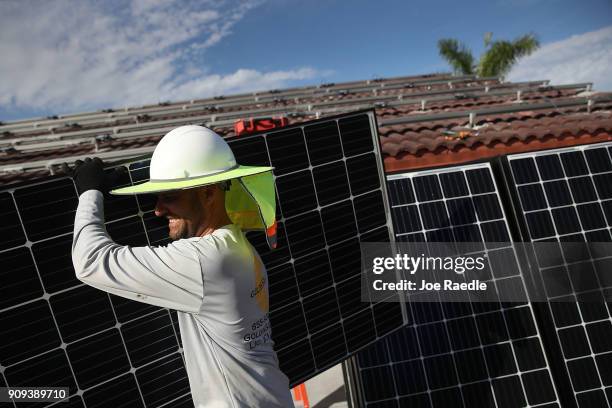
x=217, y=283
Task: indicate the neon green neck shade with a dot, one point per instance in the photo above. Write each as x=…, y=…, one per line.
x=250, y=203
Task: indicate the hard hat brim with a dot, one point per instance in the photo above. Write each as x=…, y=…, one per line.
x=158, y=186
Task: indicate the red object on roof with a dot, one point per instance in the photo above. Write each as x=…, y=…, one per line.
x=247, y=126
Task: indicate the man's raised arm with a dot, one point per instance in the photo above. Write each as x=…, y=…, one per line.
x=163, y=276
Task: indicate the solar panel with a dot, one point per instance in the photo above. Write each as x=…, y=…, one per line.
x=565, y=196
x=106, y=349
x=460, y=354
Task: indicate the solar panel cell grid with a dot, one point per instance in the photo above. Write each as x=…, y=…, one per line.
x=20, y=274
x=119, y=391
x=49, y=217
x=27, y=331
x=458, y=354
x=98, y=358
x=54, y=264
x=46, y=370
x=164, y=381
x=576, y=184
x=113, y=351
x=72, y=309
x=11, y=231
x=323, y=143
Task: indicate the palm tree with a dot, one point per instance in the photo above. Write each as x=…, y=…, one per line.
x=498, y=58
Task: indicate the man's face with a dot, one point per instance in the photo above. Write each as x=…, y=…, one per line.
x=183, y=210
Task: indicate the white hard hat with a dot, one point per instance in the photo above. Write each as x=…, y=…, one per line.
x=190, y=156
x=188, y=152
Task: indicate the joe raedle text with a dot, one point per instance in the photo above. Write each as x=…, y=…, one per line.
x=420, y=273
x=447, y=284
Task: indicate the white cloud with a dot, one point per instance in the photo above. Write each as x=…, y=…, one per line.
x=579, y=58
x=70, y=55
x=243, y=80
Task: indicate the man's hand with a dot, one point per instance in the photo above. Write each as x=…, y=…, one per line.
x=90, y=175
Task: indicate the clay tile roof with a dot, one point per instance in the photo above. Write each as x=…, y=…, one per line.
x=508, y=133
x=413, y=144
x=41, y=155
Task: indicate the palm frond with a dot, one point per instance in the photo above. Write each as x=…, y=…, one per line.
x=525, y=45
x=457, y=55
x=501, y=55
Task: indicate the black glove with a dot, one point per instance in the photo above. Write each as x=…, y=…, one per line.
x=90, y=175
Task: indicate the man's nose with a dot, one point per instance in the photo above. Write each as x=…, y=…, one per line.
x=160, y=209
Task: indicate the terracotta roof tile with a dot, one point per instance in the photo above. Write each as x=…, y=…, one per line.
x=20, y=177
x=431, y=136
x=405, y=145
x=408, y=149
x=47, y=154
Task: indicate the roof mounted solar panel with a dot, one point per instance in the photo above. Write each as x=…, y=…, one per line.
x=331, y=197
x=568, y=102
x=459, y=354
x=565, y=197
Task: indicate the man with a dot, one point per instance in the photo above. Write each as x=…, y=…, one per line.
x=210, y=274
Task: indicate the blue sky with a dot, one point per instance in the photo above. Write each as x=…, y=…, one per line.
x=65, y=56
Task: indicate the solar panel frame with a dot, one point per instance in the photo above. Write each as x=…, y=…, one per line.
x=568, y=323
x=357, y=152
x=122, y=322
x=423, y=395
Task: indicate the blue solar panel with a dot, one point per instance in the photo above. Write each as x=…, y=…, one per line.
x=106, y=349
x=462, y=354
x=565, y=197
